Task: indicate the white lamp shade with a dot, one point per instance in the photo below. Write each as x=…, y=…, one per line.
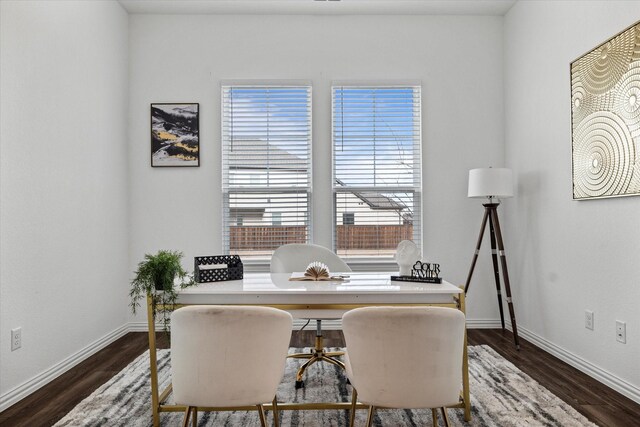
x=491, y=182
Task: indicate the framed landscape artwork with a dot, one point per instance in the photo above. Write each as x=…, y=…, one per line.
x=605, y=116
x=175, y=139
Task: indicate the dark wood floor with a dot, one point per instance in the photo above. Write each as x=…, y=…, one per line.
x=595, y=401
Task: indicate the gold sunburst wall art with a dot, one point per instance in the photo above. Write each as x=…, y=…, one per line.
x=605, y=116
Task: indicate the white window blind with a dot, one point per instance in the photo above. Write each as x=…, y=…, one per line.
x=376, y=136
x=266, y=154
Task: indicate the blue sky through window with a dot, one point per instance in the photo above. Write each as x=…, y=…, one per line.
x=375, y=129
x=375, y=133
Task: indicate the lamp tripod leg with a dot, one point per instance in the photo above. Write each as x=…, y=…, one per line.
x=496, y=268
x=505, y=273
x=478, y=244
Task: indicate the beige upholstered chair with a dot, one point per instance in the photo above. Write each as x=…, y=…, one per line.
x=296, y=257
x=224, y=356
x=404, y=357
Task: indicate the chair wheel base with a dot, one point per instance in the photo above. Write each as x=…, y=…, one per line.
x=299, y=384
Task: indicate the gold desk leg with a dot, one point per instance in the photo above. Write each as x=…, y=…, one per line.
x=465, y=365
x=153, y=363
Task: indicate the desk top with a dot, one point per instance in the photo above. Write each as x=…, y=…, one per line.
x=277, y=287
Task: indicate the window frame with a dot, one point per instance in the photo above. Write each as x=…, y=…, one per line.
x=377, y=263
x=261, y=264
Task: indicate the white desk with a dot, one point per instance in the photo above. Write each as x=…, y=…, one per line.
x=306, y=298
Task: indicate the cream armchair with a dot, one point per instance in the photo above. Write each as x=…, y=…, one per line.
x=404, y=357
x=224, y=356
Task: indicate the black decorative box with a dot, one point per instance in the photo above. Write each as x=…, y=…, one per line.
x=234, y=270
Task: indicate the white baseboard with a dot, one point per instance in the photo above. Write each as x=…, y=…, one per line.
x=142, y=327
x=483, y=324
x=607, y=378
x=28, y=387
x=327, y=325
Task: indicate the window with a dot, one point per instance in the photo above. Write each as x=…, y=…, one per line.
x=276, y=218
x=266, y=151
x=376, y=169
x=348, y=218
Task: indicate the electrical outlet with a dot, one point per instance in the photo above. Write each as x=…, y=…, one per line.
x=16, y=338
x=621, y=332
x=588, y=319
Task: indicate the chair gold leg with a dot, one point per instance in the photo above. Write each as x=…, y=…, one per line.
x=263, y=419
x=314, y=353
x=434, y=416
x=444, y=415
x=300, y=356
x=352, y=412
x=372, y=410
x=304, y=367
x=332, y=361
x=276, y=414
x=195, y=416
x=187, y=413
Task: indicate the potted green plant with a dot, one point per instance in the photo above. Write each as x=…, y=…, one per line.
x=156, y=276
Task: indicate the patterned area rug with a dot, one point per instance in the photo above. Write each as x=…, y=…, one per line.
x=501, y=396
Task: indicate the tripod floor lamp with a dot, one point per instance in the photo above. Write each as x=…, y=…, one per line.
x=493, y=184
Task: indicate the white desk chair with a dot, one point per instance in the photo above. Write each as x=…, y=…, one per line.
x=224, y=356
x=404, y=357
x=296, y=257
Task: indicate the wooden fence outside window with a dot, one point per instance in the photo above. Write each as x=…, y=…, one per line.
x=348, y=237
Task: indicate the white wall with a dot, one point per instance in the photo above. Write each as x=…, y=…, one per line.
x=568, y=256
x=64, y=247
x=184, y=59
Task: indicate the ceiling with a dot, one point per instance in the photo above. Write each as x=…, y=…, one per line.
x=319, y=7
